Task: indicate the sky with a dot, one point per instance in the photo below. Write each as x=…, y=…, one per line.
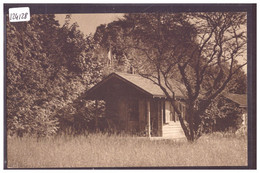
x=89, y=22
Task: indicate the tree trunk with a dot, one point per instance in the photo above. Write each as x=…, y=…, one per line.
x=191, y=120
x=190, y=129
x=183, y=125
x=190, y=113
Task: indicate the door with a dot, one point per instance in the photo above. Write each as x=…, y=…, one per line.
x=133, y=114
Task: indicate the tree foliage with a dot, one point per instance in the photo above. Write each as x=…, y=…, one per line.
x=222, y=115
x=48, y=67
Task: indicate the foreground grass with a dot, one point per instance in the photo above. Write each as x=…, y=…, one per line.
x=120, y=151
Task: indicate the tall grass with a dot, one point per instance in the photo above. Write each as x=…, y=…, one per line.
x=101, y=150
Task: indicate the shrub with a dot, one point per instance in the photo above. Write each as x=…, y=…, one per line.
x=37, y=122
x=222, y=115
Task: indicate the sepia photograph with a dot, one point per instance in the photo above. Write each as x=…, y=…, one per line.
x=130, y=86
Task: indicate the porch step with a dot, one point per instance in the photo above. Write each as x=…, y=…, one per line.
x=173, y=130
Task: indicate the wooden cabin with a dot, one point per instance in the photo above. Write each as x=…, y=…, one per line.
x=135, y=104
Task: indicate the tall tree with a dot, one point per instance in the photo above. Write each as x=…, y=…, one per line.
x=206, y=61
x=48, y=66
x=201, y=50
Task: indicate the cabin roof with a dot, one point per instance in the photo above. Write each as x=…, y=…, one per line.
x=141, y=83
x=240, y=99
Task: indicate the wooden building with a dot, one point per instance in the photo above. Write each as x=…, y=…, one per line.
x=135, y=104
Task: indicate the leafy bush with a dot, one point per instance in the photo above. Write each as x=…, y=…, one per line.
x=79, y=117
x=222, y=115
x=37, y=122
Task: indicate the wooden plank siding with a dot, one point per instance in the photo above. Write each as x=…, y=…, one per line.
x=167, y=112
x=160, y=117
x=154, y=117
x=148, y=117
x=142, y=115
x=122, y=106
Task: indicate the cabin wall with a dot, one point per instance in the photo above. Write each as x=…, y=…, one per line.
x=160, y=117
x=119, y=110
x=183, y=110
x=122, y=111
x=168, y=112
x=171, y=115
x=142, y=116
x=112, y=114
x=244, y=116
x=156, y=117
x=154, y=125
x=161, y=112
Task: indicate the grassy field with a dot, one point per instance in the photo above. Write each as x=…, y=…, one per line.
x=121, y=151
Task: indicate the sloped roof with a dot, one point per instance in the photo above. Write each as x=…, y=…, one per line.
x=240, y=99
x=142, y=84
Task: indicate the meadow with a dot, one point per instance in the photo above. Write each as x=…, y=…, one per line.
x=101, y=150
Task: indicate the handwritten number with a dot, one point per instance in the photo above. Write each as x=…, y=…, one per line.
x=15, y=16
